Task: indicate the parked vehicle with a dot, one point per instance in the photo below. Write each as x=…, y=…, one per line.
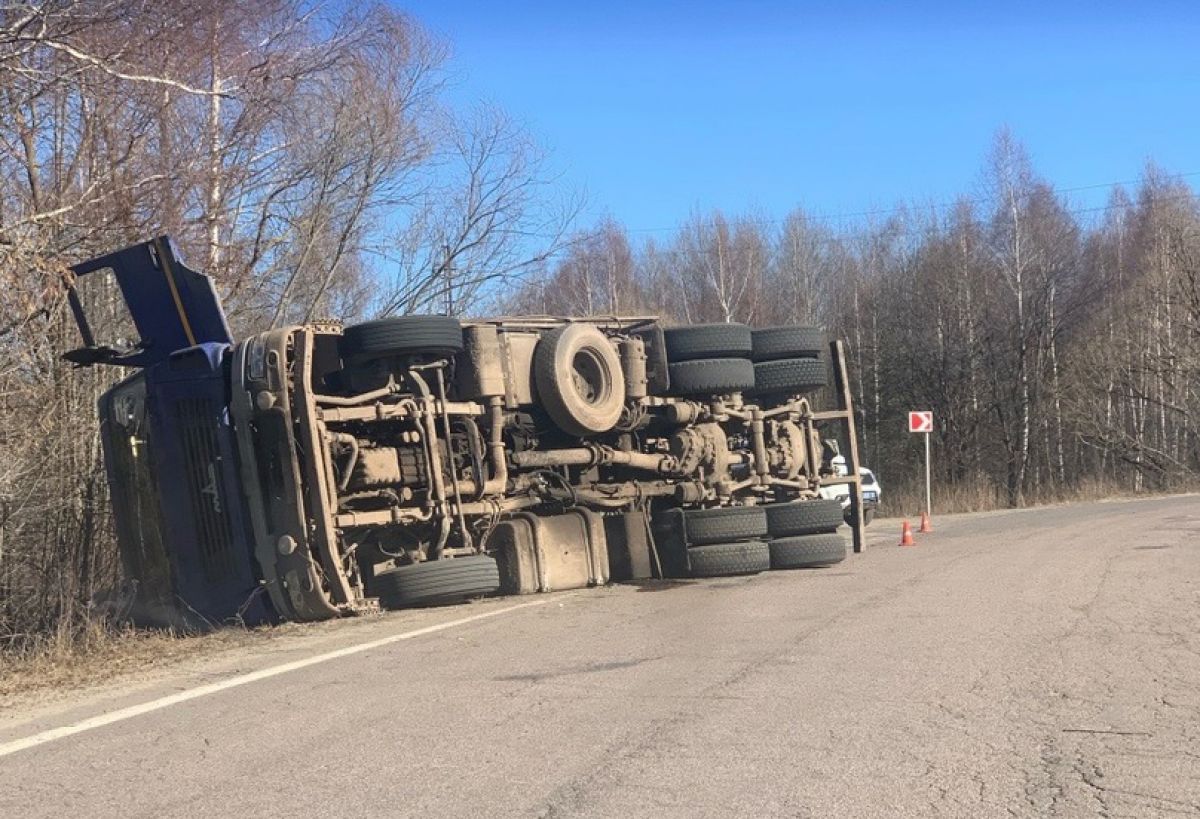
x=313, y=471
x=872, y=491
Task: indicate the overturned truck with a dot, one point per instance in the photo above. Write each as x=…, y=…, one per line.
x=314, y=471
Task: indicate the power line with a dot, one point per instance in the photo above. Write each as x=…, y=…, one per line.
x=917, y=230
x=826, y=218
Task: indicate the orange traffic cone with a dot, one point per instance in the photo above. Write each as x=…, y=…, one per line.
x=926, y=526
x=906, y=538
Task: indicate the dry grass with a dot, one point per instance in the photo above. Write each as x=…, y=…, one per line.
x=99, y=653
x=963, y=498
x=910, y=501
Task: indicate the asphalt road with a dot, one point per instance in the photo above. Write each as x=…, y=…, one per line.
x=1034, y=663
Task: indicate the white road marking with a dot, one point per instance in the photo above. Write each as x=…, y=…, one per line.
x=245, y=679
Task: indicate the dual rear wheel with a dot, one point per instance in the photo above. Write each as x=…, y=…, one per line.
x=735, y=540
x=719, y=359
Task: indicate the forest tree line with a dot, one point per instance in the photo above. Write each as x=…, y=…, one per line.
x=305, y=156
x=1057, y=346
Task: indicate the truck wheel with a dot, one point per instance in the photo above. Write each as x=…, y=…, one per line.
x=437, y=581
x=795, y=341
x=805, y=517
x=579, y=379
x=807, y=551
x=789, y=376
x=707, y=341
x=402, y=335
x=726, y=559
x=711, y=376
x=725, y=523
x=868, y=516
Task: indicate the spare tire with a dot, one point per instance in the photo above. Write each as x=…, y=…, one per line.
x=793, y=341
x=723, y=523
x=707, y=341
x=803, y=517
x=579, y=379
x=710, y=376
x=401, y=335
x=807, y=551
x=789, y=376
x=725, y=559
x=437, y=581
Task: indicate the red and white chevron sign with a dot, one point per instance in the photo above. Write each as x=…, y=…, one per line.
x=920, y=421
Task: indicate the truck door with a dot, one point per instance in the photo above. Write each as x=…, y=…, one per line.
x=169, y=306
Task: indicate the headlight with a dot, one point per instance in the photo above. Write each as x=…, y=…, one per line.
x=256, y=360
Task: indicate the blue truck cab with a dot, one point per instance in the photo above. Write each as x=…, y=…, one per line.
x=169, y=446
x=214, y=454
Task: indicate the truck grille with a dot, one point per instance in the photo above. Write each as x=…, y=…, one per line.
x=198, y=419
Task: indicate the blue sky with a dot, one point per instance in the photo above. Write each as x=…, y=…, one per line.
x=659, y=109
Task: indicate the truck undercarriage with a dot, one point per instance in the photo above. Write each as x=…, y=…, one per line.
x=422, y=459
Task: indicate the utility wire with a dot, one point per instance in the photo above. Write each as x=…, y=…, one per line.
x=915, y=207
x=835, y=237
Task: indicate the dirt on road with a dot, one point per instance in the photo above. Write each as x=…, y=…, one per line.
x=1030, y=663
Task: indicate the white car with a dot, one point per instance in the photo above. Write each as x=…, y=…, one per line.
x=872, y=491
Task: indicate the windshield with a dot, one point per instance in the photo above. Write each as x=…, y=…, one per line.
x=109, y=318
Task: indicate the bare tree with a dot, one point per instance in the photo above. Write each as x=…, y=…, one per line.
x=721, y=266
x=485, y=217
x=799, y=277
x=593, y=275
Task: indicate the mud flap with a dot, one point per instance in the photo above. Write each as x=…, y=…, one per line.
x=630, y=552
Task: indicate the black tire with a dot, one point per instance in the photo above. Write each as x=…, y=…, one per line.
x=868, y=516
x=807, y=551
x=707, y=341
x=723, y=524
x=795, y=341
x=439, y=336
x=727, y=559
x=437, y=581
x=711, y=376
x=804, y=517
x=579, y=379
x=789, y=376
